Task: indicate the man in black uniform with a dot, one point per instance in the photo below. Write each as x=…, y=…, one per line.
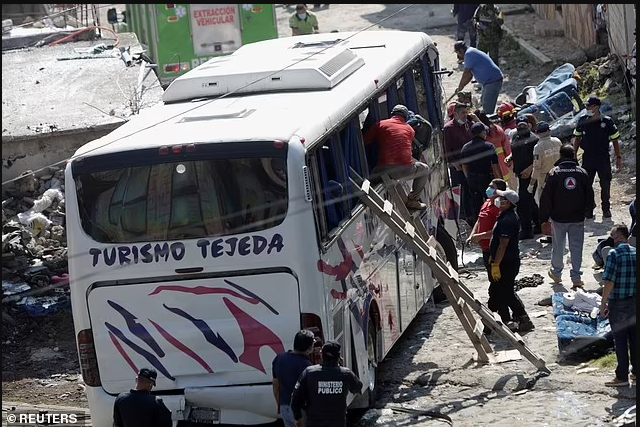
x=522, y=145
x=480, y=165
x=140, y=408
x=505, y=260
x=593, y=133
x=323, y=389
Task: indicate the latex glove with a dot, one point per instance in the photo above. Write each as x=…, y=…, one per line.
x=495, y=271
x=530, y=188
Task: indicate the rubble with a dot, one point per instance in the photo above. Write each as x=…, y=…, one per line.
x=34, y=254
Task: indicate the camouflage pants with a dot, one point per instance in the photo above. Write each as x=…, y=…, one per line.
x=489, y=42
x=491, y=46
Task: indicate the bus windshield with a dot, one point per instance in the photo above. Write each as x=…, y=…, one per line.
x=181, y=197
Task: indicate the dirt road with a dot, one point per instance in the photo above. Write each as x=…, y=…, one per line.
x=432, y=367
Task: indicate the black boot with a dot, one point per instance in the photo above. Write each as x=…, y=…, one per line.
x=525, y=324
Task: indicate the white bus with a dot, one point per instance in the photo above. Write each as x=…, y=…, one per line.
x=204, y=233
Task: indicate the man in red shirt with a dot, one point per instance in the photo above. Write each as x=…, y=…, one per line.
x=481, y=234
x=395, y=141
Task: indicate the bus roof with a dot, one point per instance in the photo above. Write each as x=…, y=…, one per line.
x=266, y=114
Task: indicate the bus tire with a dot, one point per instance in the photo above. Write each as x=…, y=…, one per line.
x=372, y=353
x=445, y=247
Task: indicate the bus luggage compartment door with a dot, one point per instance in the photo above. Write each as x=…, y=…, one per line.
x=201, y=332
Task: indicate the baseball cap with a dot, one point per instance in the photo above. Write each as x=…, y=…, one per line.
x=542, y=127
x=331, y=350
x=478, y=128
x=149, y=374
x=400, y=110
x=510, y=195
x=593, y=100
x=522, y=121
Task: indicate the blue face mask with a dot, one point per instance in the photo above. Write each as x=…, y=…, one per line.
x=490, y=191
x=589, y=113
x=302, y=16
x=461, y=122
x=497, y=202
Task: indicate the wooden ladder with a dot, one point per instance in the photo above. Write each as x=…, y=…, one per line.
x=413, y=232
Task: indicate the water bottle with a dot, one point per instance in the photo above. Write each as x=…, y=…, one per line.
x=594, y=312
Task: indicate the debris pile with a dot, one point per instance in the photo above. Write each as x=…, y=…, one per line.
x=34, y=253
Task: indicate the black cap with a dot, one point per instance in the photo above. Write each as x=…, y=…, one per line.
x=478, y=128
x=542, y=127
x=594, y=100
x=331, y=350
x=301, y=6
x=149, y=374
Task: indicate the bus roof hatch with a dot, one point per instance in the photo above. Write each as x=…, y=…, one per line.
x=246, y=71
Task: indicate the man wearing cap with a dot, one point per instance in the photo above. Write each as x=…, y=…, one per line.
x=505, y=260
x=395, y=153
x=323, y=389
x=593, y=134
x=522, y=146
x=480, y=66
x=303, y=22
x=546, y=153
x=567, y=195
x=140, y=408
x=479, y=162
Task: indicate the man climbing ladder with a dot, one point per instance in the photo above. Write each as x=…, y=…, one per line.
x=459, y=295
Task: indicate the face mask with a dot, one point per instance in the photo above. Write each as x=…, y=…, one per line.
x=523, y=132
x=490, y=191
x=302, y=16
x=461, y=122
x=589, y=113
x=497, y=203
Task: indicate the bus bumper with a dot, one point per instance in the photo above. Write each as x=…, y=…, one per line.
x=243, y=405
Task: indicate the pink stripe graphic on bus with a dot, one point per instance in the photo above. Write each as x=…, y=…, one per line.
x=255, y=336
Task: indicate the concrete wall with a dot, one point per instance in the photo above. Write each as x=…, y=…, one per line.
x=577, y=21
x=45, y=149
x=621, y=23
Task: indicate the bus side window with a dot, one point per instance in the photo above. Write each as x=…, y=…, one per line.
x=331, y=168
x=418, y=83
x=392, y=98
x=434, y=110
x=352, y=143
x=371, y=150
x=408, y=90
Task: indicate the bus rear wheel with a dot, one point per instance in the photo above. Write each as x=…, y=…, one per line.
x=446, y=249
x=372, y=356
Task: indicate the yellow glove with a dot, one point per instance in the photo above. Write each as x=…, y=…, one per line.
x=495, y=271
